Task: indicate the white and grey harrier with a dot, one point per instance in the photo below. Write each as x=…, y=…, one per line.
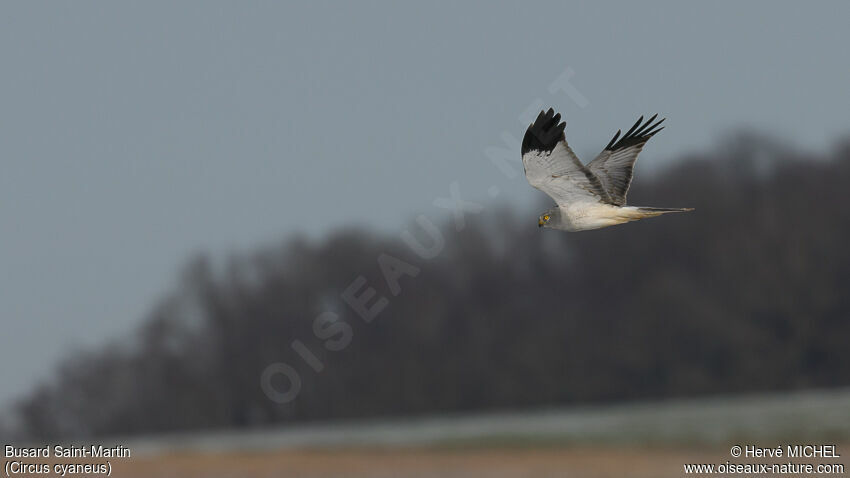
x=591, y=196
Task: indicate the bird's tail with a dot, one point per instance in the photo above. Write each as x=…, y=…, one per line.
x=638, y=213
x=657, y=211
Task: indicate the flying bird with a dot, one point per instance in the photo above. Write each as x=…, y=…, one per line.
x=588, y=196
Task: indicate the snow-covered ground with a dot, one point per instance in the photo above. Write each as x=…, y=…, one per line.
x=759, y=419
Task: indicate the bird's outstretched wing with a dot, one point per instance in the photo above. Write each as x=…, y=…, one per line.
x=552, y=167
x=615, y=164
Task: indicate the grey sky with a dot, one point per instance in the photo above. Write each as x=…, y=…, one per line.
x=136, y=133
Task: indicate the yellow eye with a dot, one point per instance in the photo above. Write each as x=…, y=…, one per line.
x=546, y=217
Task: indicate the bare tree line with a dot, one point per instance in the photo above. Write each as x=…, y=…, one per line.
x=747, y=293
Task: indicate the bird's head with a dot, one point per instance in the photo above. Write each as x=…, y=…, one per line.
x=547, y=218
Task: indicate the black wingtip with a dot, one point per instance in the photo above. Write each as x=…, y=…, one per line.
x=611, y=143
x=544, y=133
x=640, y=132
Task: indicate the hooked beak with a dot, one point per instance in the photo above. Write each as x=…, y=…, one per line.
x=540, y=223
